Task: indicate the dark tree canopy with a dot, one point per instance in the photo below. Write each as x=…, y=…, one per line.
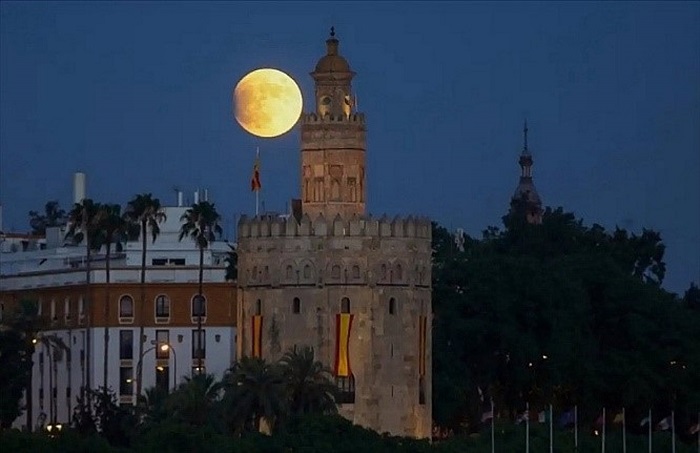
x=53, y=216
x=561, y=313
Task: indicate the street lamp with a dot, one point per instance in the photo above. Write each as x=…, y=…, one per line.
x=165, y=347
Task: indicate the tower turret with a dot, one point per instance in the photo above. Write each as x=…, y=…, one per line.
x=333, y=142
x=526, y=200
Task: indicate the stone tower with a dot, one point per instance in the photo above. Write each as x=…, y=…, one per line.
x=355, y=288
x=526, y=200
x=333, y=142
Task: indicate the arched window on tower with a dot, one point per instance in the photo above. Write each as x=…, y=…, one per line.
x=345, y=305
x=335, y=271
x=258, y=307
x=296, y=305
x=356, y=271
x=392, y=306
x=307, y=271
x=289, y=272
x=399, y=272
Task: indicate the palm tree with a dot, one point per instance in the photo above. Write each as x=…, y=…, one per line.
x=194, y=402
x=254, y=392
x=144, y=212
x=111, y=229
x=201, y=223
x=81, y=227
x=27, y=322
x=309, y=386
x=55, y=348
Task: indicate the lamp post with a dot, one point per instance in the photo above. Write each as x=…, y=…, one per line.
x=166, y=347
x=163, y=347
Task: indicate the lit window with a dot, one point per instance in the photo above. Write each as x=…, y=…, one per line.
x=126, y=307
x=162, y=306
x=296, y=305
x=126, y=380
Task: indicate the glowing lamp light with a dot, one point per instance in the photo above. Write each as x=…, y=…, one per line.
x=544, y=356
x=160, y=368
x=164, y=347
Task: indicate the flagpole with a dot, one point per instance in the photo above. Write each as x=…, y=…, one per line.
x=673, y=432
x=649, y=430
x=493, y=428
x=527, y=428
x=576, y=428
x=257, y=191
x=602, y=443
x=551, y=431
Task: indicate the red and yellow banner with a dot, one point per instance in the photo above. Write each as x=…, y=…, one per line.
x=342, y=341
x=257, y=336
x=422, y=331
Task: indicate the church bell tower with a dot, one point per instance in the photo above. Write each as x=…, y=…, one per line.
x=333, y=142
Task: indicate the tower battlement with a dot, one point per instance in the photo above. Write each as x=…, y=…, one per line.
x=355, y=226
x=329, y=118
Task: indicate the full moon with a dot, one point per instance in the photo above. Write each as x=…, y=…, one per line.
x=267, y=102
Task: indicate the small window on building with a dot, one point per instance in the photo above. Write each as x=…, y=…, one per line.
x=345, y=305
x=126, y=344
x=177, y=261
x=199, y=344
x=399, y=272
x=53, y=310
x=296, y=305
x=126, y=307
x=307, y=271
x=289, y=272
x=162, y=306
x=81, y=307
x=258, y=307
x=356, y=272
x=66, y=308
x=162, y=338
x=335, y=271
x=126, y=380
x=199, y=306
x=392, y=306
x=159, y=261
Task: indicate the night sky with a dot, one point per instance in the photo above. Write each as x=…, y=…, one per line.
x=138, y=95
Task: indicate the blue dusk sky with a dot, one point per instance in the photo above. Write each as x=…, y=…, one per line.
x=138, y=96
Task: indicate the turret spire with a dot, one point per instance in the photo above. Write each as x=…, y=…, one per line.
x=525, y=151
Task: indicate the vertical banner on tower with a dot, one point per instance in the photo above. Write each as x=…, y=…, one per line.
x=257, y=336
x=342, y=341
x=422, y=331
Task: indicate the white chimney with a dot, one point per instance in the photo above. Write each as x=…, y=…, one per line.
x=179, y=198
x=79, y=187
x=196, y=196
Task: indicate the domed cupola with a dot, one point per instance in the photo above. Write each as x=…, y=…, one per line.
x=333, y=78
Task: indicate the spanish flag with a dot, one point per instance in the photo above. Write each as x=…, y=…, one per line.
x=255, y=184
